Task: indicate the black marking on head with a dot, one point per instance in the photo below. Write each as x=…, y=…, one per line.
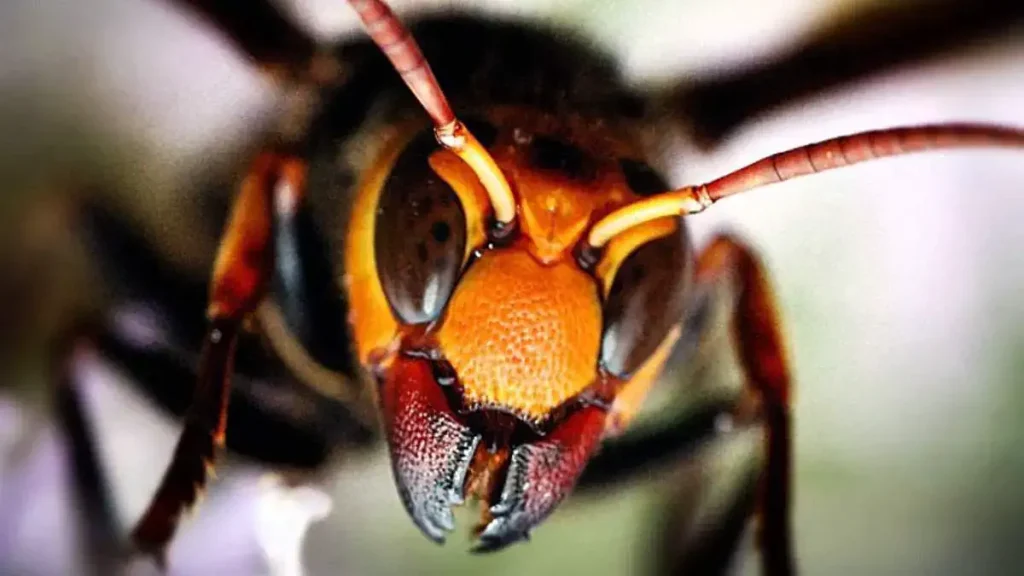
x=548, y=153
x=641, y=178
x=485, y=132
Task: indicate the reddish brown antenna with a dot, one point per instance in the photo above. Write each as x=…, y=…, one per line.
x=810, y=159
x=397, y=43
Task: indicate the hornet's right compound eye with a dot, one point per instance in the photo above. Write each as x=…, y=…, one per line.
x=419, y=235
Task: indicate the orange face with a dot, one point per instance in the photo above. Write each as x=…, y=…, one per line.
x=490, y=343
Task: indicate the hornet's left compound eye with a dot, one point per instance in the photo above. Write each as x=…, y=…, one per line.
x=419, y=235
x=646, y=300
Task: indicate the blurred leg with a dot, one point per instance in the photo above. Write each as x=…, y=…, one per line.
x=873, y=38
x=153, y=328
x=241, y=278
x=261, y=32
x=103, y=547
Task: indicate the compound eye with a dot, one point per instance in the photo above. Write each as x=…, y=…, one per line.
x=646, y=301
x=419, y=235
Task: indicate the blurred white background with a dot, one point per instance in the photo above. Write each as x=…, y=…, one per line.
x=901, y=280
